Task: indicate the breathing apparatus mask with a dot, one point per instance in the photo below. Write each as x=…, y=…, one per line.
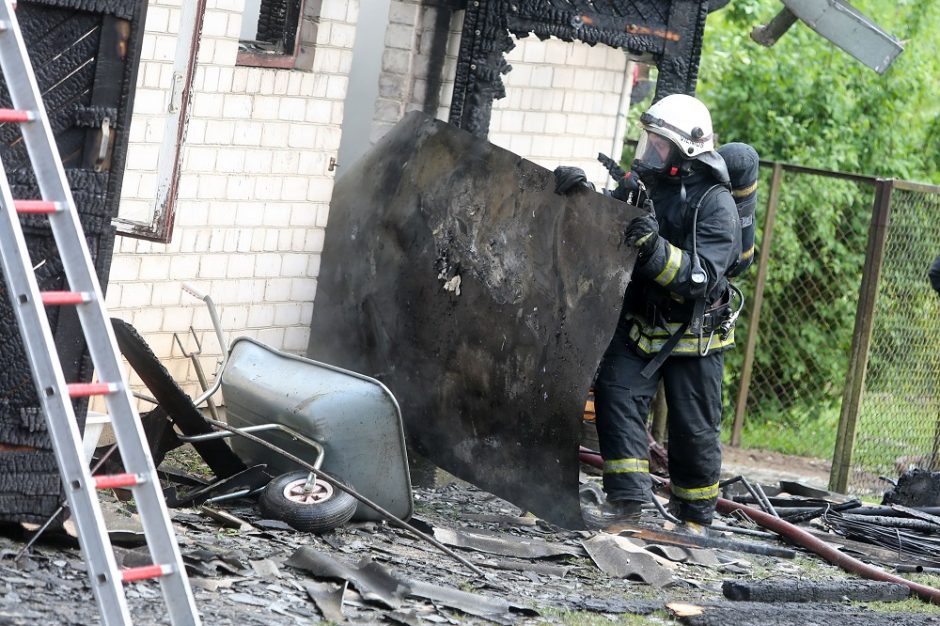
x=656, y=155
x=677, y=130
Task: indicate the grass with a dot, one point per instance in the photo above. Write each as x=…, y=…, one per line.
x=913, y=604
x=892, y=435
x=185, y=458
x=812, y=437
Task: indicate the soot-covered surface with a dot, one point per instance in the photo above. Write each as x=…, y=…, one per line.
x=85, y=55
x=245, y=577
x=455, y=275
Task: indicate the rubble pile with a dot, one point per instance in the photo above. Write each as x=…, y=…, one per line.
x=254, y=571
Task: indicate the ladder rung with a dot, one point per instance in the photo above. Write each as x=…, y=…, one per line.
x=54, y=298
x=16, y=115
x=132, y=574
x=26, y=112
x=36, y=206
x=84, y=390
x=116, y=481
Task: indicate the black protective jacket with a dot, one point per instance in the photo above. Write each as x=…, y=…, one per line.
x=661, y=295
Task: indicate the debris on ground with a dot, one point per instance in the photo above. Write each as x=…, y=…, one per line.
x=916, y=487
x=802, y=591
x=264, y=572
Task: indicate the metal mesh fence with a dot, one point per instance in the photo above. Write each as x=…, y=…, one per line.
x=840, y=284
x=898, y=424
x=819, y=225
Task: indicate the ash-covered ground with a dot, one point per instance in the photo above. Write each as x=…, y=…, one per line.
x=533, y=573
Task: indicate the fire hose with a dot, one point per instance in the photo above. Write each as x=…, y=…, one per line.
x=803, y=539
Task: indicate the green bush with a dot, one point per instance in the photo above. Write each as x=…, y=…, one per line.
x=806, y=102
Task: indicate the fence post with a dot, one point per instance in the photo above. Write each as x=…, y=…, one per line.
x=754, y=320
x=861, y=338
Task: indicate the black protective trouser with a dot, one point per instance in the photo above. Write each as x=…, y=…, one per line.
x=693, y=395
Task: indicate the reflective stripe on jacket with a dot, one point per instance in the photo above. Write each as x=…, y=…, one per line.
x=664, y=279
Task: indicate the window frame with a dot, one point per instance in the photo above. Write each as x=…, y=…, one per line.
x=299, y=59
x=169, y=161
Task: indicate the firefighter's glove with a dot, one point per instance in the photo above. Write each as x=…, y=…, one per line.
x=643, y=233
x=568, y=178
x=627, y=188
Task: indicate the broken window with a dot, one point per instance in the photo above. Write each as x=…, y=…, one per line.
x=271, y=32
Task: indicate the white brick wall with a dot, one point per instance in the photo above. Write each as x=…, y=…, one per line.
x=254, y=189
x=561, y=101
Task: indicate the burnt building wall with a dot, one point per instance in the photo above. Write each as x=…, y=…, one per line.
x=562, y=98
x=84, y=54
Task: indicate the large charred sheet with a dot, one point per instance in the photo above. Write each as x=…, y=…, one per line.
x=84, y=54
x=491, y=378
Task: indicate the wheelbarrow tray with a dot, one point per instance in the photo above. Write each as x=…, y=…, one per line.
x=355, y=418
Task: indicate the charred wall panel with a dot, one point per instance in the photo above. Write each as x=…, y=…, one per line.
x=85, y=55
x=667, y=33
x=452, y=273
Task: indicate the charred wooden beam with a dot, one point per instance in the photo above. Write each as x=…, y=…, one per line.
x=85, y=54
x=668, y=34
x=812, y=591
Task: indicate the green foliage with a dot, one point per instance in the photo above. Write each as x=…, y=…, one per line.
x=810, y=297
x=806, y=102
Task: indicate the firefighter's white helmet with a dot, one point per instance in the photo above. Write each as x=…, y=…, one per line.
x=686, y=125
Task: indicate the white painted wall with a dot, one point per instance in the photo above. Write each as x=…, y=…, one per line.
x=561, y=99
x=255, y=186
x=254, y=191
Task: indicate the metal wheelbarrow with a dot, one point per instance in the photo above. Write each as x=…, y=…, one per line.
x=343, y=422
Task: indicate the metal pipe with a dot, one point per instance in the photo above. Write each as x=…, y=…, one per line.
x=707, y=541
x=261, y=428
x=666, y=514
x=217, y=327
x=889, y=511
x=801, y=538
x=917, y=569
x=799, y=516
x=743, y=531
x=760, y=502
x=197, y=367
x=339, y=485
x=768, y=505
x=767, y=35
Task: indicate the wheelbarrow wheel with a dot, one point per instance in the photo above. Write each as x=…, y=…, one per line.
x=320, y=509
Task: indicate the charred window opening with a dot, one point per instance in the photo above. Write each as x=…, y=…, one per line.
x=269, y=27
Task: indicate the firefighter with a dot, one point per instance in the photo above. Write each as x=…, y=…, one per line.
x=673, y=324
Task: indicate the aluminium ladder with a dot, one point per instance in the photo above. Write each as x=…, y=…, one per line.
x=55, y=394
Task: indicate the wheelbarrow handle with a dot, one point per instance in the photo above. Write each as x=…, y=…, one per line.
x=217, y=327
x=195, y=292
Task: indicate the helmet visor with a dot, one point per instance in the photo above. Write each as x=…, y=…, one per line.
x=655, y=152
